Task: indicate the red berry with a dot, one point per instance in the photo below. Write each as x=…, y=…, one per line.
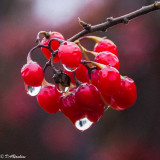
x=94, y=77
x=124, y=97
x=32, y=74
x=127, y=93
x=111, y=102
x=48, y=99
x=108, y=58
x=70, y=107
x=54, y=44
x=108, y=80
x=106, y=45
x=95, y=114
x=70, y=54
x=88, y=96
x=81, y=74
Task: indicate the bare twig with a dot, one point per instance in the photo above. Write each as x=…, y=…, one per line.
x=114, y=21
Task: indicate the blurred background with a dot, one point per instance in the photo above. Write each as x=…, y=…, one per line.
x=25, y=129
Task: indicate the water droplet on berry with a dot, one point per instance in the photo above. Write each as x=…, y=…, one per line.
x=68, y=68
x=61, y=88
x=32, y=91
x=83, y=124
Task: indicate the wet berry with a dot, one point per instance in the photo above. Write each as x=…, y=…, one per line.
x=127, y=93
x=70, y=54
x=70, y=107
x=88, y=96
x=106, y=45
x=94, y=77
x=108, y=58
x=32, y=74
x=48, y=98
x=108, y=80
x=54, y=45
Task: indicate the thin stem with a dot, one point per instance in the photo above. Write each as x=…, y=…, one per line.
x=114, y=21
x=34, y=48
x=46, y=34
x=76, y=80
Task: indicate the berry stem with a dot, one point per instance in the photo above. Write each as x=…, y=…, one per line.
x=94, y=63
x=46, y=34
x=84, y=50
x=87, y=28
x=34, y=48
x=77, y=82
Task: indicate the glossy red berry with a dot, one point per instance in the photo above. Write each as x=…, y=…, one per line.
x=125, y=96
x=81, y=74
x=108, y=58
x=127, y=93
x=48, y=98
x=32, y=74
x=95, y=114
x=94, y=77
x=108, y=80
x=54, y=45
x=111, y=102
x=70, y=107
x=106, y=45
x=70, y=54
x=81, y=117
x=88, y=97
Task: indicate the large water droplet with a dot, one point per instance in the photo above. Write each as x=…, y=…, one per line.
x=68, y=68
x=83, y=124
x=61, y=88
x=32, y=91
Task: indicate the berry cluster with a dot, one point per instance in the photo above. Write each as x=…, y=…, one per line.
x=84, y=88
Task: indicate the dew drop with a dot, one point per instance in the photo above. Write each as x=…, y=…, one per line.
x=83, y=124
x=32, y=91
x=61, y=88
x=68, y=68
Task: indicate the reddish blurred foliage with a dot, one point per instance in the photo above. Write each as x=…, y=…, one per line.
x=60, y=137
x=16, y=107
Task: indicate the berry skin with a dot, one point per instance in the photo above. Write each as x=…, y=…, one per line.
x=108, y=80
x=125, y=96
x=107, y=58
x=48, y=99
x=95, y=114
x=111, y=102
x=70, y=54
x=94, y=77
x=81, y=74
x=70, y=108
x=54, y=44
x=32, y=74
x=106, y=45
x=127, y=93
x=88, y=96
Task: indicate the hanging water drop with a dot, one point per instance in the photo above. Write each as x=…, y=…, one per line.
x=61, y=88
x=68, y=68
x=83, y=124
x=32, y=91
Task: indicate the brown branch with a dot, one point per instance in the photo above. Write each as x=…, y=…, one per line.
x=87, y=28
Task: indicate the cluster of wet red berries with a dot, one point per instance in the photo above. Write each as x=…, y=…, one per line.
x=82, y=90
